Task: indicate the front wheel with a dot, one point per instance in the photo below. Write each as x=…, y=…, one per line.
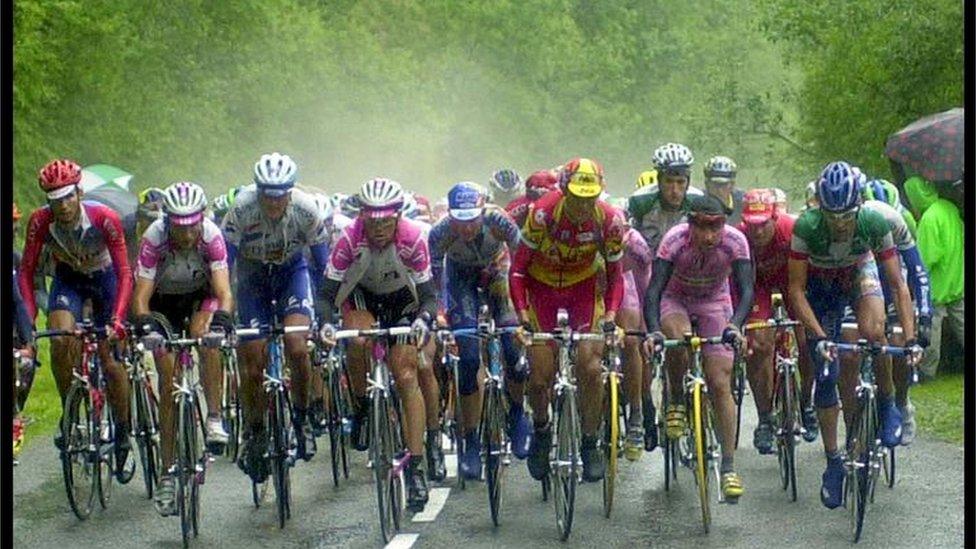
x=279, y=425
x=79, y=464
x=493, y=442
x=381, y=455
x=611, y=439
x=699, y=436
x=565, y=467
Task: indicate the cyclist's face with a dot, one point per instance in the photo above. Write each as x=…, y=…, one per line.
x=67, y=210
x=274, y=207
x=380, y=230
x=673, y=188
x=720, y=189
x=761, y=234
x=467, y=230
x=579, y=208
x=841, y=226
x=706, y=236
x=184, y=236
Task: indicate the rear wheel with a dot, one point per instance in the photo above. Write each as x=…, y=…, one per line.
x=78, y=463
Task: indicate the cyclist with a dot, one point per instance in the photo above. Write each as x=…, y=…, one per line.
x=782, y=203
x=690, y=277
x=471, y=246
x=87, y=246
x=538, y=184
x=504, y=186
x=887, y=192
x=266, y=231
x=720, y=174
x=23, y=340
x=833, y=263
x=380, y=271
x=648, y=177
x=182, y=275
x=769, y=231
x=223, y=203
x=565, y=238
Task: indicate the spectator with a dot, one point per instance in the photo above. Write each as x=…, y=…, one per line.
x=940, y=242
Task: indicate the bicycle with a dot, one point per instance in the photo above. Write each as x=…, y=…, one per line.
x=565, y=462
x=698, y=448
x=192, y=456
x=24, y=369
x=144, y=416
x=615, y=416
x=785, y=391
x=87, y=427
x=338, y=407
x=865, y=455
x=387, y=451
x=738, y=391
x=451, y=399
x=230, y=405
x=492, y=423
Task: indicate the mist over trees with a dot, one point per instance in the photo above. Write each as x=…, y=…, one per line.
x=434, y=92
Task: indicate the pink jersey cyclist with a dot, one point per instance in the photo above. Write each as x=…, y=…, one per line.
x=636, y=269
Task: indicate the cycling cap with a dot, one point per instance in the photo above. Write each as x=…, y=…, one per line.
x=466, y=201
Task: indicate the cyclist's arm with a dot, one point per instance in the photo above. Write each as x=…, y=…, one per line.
x=660, y=275
x=517, y=275
x=918, y=279
x=36, y=227
x=115, y=240
x=328, y=293
x=220, y=286
x=141, y=295
x=427, y=298
x=903, y=301
x=437, y=241
x=745, y=280
x=320, y=261
x=23, y=324
x=797, y=290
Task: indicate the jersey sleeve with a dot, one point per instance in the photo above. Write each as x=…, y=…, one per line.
x=342, y=256
x=671, y=243
x=799, y=243
x=536, y=226
x=739, y=244
x=214, y=247
x=417, y=262
x=613, y=235
x=37, y=228
x=149, y=251
x=503, y=227
x=231, y=226
x=111, y=228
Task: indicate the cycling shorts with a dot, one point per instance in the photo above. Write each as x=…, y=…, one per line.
x=582, y=301
x=259, y=283
x=829, y=296
x=469, y=287
x=179, y=308
x=397, y=308
x=713, y=316
x=70, y=289
x=762, y=303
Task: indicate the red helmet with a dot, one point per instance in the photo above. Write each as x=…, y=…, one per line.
x=539, y=183
x=57, y=175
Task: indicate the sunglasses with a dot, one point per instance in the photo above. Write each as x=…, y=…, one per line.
x=838, y=217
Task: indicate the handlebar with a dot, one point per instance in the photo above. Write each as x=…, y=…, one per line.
x=769, y=323
x=272, y=330
x=374, y=332
x=81, y=330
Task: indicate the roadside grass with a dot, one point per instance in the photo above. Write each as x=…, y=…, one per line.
x=939, y=407
x=43, y=404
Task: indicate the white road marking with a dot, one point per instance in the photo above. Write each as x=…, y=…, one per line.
x=402, y=541
x=435, y=503
x=450, y=464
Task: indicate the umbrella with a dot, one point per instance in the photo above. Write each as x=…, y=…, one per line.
x=96, y=175
x=931, y=146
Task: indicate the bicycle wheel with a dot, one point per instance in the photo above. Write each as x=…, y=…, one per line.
x=611, y=439
x=493, y=442
x=564, y=470
x=859, y=474
x=397, y=446
x=186, y=460
x=738, y=392
x=700, y=423
x=786, y=411
x=381, y=455
x=143, y=413
x=279, y=427
x=79, y=465
x=230, y=409
x=334, y=420
x=456, y=422
x=888, y=467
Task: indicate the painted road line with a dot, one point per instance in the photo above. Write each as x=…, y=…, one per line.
x=402, y=541
x=435, y=502
x=450, y=464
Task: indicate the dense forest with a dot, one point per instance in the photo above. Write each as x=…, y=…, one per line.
x=437, y=91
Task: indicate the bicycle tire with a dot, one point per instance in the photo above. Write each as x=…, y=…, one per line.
x=493, y=444
x=381, y=457
x=860, y=452
x=888, y=466
x=565, y=473
x=78, y=463
x=611, y=440
x=154, y=455
x=738, y=392
x=701, y=466
x=185, y=466
x=395, y=426
x=278, y=427
x=334, y=425
x=231, y=408
x=456, y=422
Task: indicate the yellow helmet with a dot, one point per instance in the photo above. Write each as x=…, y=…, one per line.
x=646, y=178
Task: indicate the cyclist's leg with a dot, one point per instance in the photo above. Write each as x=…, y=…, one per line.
x=356, y=366
x=253, y=299
x=713, y=317
x=430, y=388
x=675, y=323
x=102, y=289
x=403, y=363
x=760, y=369
x=633, y=363
x=462, y=288
x=542, y=372
x=849, y=367
x=64, y=310
x=585, y=311
x=211, y=372
x=294, y=298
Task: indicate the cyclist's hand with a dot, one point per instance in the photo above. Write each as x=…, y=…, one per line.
x=116, y=330
x=822, y=347
x=524, y=329
x=152, y=341
x=327, y=334
x=441, y=318
x=731, y=335
x=610, y=328
x=223, y=321
x=914, y=351
x=420, y=330
x=924, y=331
x=654, y=342
x=145, y=324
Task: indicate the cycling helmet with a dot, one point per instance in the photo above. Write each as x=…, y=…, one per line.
x=646, y=178
x=59, y=178
x=275, y=174
x=582, y=177
x=838, y=189
x=539, y=183
x=323, y=204
x=758, y=206
x=16, y=213
x=439, y=210
x=381, y=197
x=673, y=158
x=410, y=209
x=336, y=201
x=779, y=197
x=466, y=201
x=880, y=189
x=350, y=206
x=720, y=169
x=507, y=181
x=184, y=203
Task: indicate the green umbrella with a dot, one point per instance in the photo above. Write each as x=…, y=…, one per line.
x=96, y=175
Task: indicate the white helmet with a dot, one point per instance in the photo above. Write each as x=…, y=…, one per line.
x=184, y=202
x=336, y=200
x=381, y=197
x=323, y=204
x=275, y=172
x=673, y=158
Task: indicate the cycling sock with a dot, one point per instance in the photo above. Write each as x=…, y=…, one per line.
x=726, y=465
x=836, y=454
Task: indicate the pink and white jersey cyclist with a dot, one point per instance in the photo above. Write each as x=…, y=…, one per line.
x=182, y=271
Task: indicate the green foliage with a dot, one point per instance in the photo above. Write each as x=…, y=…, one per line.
x=869, y=68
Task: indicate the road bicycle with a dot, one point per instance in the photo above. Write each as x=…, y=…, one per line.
x=144, y=414
x=450, y=394
x=331, y=365
x=87, y=428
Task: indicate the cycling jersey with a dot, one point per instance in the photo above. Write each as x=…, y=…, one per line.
x=403, y=263
x=518, y=209
x=180, y=271
x=88, y=251
x=498, y=235
x=649, y=216
x=637, y=262
x=812, y=241
x=770, y=264
x=701, y=275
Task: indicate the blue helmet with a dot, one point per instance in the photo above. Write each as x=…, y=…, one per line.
x=507, y=181
x=838, y=189
x=466, y=201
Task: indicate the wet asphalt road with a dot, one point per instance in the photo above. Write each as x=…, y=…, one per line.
x=925, y=509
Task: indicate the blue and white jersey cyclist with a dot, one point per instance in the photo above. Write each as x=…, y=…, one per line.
x=267, y=230
x=470, y=250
